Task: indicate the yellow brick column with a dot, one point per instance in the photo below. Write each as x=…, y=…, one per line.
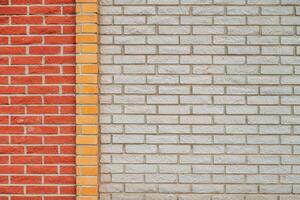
x=87, y=100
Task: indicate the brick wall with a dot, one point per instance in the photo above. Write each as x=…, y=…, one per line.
x=37, y=122
x=200, y=99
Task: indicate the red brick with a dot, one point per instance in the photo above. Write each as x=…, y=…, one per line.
x=60, y=19
x=26, y=119
x=11, y=129
x=60, y=180
x=4, y=159
x=59, y=39
x=4, y=20
x=4, y=139
x=26, y=159
x=26, y=179
x=67, y=169
x=67, y=109
x=67, y=150
x=3, y=180
x=59, y=120
x=69, y=50
x=26, y=198
x=13, y=10
x=21, y=60
x=43, y=89
x=60, y=140
x=42, y=130
x=3, y=40
x=67, y=190
x=69, y=10
x=8, y=169
x=3, y=60
x=3, y=100
x=3, y=119
x=11, y=190
x=59, y=159
x=12, y=50
x=69, y=29
x=12, y=109
x=26, y=100
x=12, y=90
x=26, y=139
x=11, y=150
x=46, y=10
x=44, y=50
x=26, y=2
x=41, y=190
x=44, y=69
x=12, y=70
x=42, y=150
x=69, y=69
x=42, y=109
x=3, y=197
x=60, y=198
x=26, y=40
x=67, y=129
x=12, y=30
x=41, y=169
x=59, y=100
x=59, y=59
x=3, y=80
x=27, y=20
x=3, y=2
x=68, y=89
x=59, y=79
x=59, y=1
x=45, y=30
x=37, y=128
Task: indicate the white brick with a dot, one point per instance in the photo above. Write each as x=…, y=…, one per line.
x=194, y=178
x=228, y=179
x=140, y=188
x=238, y=189
x=160, y=178
x=242, y=10
x=193, y=159
x=199, y=99
x=174, y=188
x=174, y=10
x=192, y=139
x=208, y=10
x=208, y=188
x=166, y=20
x=195, y=20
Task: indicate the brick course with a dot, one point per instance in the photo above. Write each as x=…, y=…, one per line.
x=37, y=101
x=200, y=99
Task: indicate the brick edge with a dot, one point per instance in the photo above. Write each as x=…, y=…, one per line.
x=87, y=100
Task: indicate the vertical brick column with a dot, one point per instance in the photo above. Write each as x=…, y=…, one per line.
x=87, y=99
x=37, y=100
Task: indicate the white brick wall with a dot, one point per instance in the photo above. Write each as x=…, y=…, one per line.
x=200, y=99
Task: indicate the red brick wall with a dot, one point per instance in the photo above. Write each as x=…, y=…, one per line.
x=37, y=102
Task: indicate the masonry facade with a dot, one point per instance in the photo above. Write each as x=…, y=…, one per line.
x=200, y=99
x=37, y=100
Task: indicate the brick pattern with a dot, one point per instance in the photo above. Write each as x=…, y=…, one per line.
x=200, y=99
x=37, y=99
x=87, y=104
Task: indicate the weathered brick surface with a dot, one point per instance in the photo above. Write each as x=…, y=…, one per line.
x=200, y=99
x=37, y=102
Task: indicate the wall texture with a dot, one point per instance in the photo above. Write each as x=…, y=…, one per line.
x=200, y=99
x=37, y=121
